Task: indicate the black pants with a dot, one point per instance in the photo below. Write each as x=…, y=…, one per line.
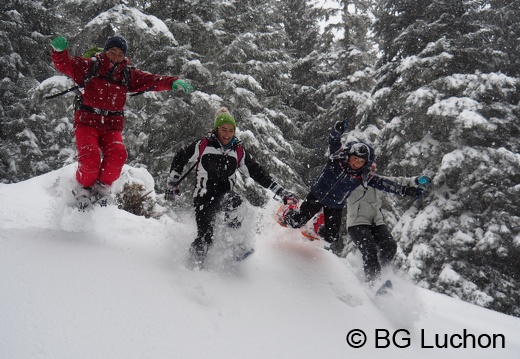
x=206, y=209
x=377, y=246
x=309, y=207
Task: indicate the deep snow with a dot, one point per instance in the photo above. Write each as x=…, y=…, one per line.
x=109, y=284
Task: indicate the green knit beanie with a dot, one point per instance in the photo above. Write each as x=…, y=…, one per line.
x=223, y=116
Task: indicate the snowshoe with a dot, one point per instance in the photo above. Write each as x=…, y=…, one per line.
x=282, y=212
x=198, y=253
x=103, y=194
x=312, y=229
x=385, y=288
x=84, y=204
x=83, y=199
x=309, y=233
x=278, y=216
x=104, y=201
x=243, y=254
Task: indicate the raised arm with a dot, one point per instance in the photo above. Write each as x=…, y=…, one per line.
x=337, y=130
x=387, y=185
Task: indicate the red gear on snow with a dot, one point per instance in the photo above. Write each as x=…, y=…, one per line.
x=312, y=230
x=291, y=205
x=96, y=134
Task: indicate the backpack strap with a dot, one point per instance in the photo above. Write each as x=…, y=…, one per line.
x=126, y=77
x=238, y=147
x=240, y=153
x=74, y=88
x=202, y=146
x=92, y=72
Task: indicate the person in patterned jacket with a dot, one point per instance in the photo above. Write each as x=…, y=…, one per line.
x=217, y=157
x=99, y=120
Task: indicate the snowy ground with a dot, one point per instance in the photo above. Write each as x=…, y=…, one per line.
x=108, y=284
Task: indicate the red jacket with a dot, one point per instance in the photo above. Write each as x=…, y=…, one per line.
x=103, y=94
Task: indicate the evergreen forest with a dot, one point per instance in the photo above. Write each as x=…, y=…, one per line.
x=433, y=85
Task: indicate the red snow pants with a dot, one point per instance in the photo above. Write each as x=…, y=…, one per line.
x=101, y=155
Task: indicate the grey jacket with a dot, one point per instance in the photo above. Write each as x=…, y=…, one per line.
x=364, y=205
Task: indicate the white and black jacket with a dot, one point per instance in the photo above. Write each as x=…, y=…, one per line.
x=217, y=165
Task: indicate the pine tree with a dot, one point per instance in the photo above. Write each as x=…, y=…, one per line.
x=27, y=148
x=447, y=110
x=349, y=64
x=257, y=74
x=302, y=80
x=344, y=61
x=240, y=66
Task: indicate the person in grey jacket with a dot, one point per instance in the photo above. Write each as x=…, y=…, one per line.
x=367, y=228
x=347, y=168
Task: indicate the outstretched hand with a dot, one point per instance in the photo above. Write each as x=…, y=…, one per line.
x=285, y=195
x=183, y=85
x=171, y=188
x=414, y=192
x=423, y=180
x=60, y=44
x=341, y=126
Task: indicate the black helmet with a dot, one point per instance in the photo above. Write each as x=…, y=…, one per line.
x=360, y=150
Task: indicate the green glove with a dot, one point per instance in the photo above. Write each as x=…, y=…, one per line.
x=60, y=44
x=186, y=87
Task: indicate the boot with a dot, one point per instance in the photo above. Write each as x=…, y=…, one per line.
x=198, y=251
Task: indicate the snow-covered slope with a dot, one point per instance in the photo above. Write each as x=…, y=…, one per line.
x=108, y=284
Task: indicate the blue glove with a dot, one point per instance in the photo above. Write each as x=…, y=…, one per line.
x=341, y=127
x=171, y=187
x=414, y=192
x=423, y=180
x=186, y=87
x=60, y=44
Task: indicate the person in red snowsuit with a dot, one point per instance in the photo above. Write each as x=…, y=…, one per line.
x=99, y=118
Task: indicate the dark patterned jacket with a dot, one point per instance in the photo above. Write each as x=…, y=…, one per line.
x=337, y=179
x=217, y=165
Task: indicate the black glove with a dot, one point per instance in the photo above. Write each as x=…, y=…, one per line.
x=341, y=126
x=414, y=192
x=171, y=187
x=286, y=196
